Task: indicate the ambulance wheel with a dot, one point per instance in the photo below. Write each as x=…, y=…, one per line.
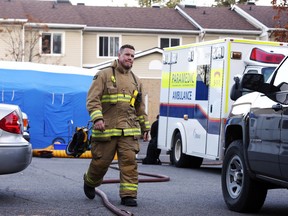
x=240, y=192
x=177, y=157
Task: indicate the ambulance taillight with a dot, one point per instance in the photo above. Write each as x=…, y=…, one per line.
x=265, y=57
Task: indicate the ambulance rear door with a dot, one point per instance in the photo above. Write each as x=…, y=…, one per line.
x=215, y=99
x=169, y=59
x=198, y=118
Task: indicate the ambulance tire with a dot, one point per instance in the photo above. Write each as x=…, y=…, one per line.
x=240, y=192
x=177, y=157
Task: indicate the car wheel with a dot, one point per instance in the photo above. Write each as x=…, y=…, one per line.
x=240, y=192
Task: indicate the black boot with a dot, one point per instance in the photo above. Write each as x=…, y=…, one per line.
x=128, y=201
x=89, y=191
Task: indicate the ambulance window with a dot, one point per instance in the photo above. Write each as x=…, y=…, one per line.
x=218, y=52
x=203, y=72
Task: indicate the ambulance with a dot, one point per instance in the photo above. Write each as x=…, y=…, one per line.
x=195, y=93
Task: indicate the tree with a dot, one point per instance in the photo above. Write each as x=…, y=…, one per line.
x=228, y=3
x=11, y=35
x=172, y=3
x=148, y=3
x=21, y=39
x=281, y=19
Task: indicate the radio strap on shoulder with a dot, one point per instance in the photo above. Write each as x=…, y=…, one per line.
x=113, y=77
x=114, y=82
x=135, y=80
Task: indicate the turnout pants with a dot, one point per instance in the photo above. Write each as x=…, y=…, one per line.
x=103, y=154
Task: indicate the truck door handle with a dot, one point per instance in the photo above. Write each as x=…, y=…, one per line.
x=277, y=107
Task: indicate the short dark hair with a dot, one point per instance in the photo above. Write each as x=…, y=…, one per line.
x=126, y=46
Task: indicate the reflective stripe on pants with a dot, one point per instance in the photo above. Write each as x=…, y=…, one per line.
x=103, y=154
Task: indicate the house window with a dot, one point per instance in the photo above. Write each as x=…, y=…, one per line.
x=51, y=43
x=108, y=46
x=169, y=42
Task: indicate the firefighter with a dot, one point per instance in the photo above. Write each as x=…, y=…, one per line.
x=116, y=107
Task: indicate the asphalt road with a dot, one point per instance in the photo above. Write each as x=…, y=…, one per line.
x=54, y=186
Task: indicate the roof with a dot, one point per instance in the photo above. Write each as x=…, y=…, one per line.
x=260, y=13
x=218, y=18
x=7, y=10
x=94, y=16
x=133, y=18
x=40, y=11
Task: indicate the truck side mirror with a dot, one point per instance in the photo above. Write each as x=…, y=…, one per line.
x=282, y=95
x=255, y=82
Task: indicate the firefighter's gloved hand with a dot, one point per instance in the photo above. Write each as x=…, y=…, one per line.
x=99, y=125
x=146, y=136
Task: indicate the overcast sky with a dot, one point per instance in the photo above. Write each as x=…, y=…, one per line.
x=132, y=3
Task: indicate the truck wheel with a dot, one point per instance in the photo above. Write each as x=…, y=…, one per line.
x=177, y=157
x=240, y=192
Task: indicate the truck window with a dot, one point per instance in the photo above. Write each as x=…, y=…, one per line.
x=282, y=73
x=267, y=72
x=252, y=71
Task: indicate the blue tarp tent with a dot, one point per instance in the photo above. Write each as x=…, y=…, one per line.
x=52, y=96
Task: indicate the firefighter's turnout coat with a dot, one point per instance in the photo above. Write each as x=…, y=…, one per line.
x=112, y=97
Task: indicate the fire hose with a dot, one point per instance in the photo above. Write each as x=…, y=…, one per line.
x=121, y=212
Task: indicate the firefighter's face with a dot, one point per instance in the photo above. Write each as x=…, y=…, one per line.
x=126, y=58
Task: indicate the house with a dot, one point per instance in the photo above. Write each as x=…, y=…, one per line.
x=57, y=32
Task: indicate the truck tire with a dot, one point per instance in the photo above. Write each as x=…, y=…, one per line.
x=179, y=159
x=240, y=192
